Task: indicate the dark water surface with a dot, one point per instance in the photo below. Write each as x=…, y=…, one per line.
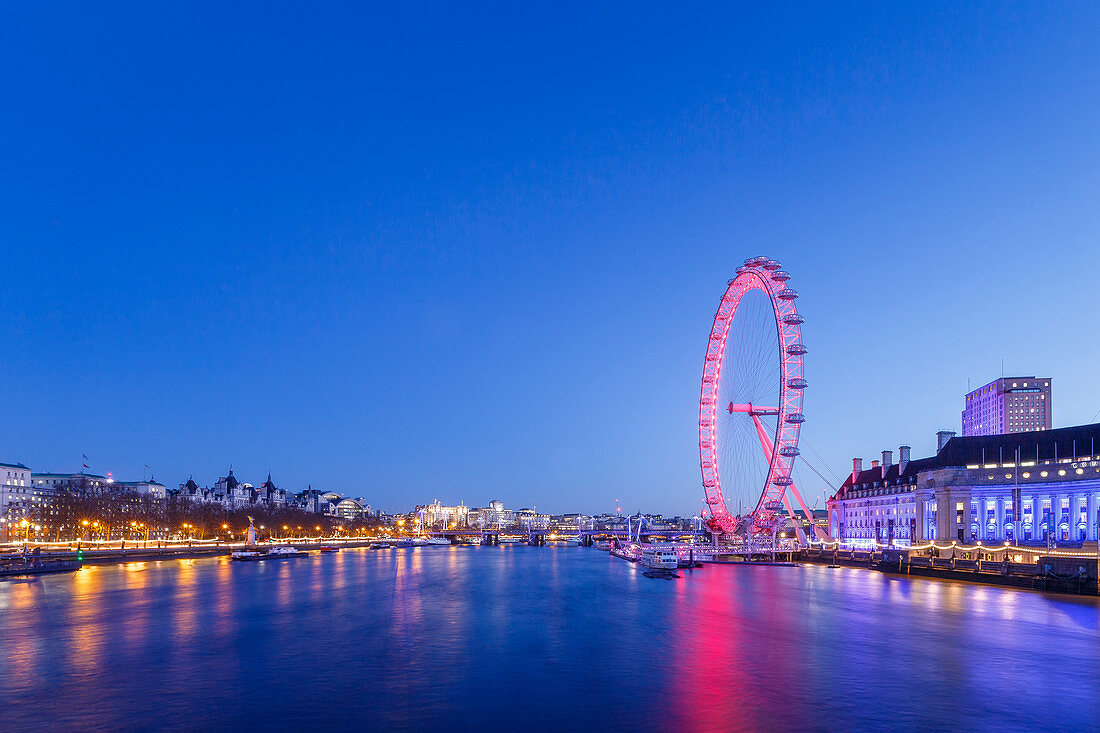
x=527, y=638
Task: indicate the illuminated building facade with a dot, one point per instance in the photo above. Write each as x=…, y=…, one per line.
x=1025, y=488
x=494, y=515
x=1008, y=405
x=437, y=516
x=531, y=519
x=16, y=490
x=353, y=509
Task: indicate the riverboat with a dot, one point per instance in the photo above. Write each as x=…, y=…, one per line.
x=27, y=566
x=630, y=553
x=659, y=558
x=283, y=552
x=328, y=548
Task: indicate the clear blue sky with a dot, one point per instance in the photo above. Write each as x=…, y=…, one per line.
x=470, y=252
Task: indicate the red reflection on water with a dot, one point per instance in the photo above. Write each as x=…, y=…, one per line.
x=720, y=640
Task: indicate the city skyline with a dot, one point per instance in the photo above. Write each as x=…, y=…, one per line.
x=402, y=274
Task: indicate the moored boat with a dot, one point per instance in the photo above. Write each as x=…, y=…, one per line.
x=628, y=553
x=656, y=557
x=29, y=566
x=283, y=552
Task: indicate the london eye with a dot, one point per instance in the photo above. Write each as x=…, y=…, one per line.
x=750, y=403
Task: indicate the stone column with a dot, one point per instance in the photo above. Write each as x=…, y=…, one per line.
x=1000, y=516
x=918, y=512
x=968, y=518
x=945, y=517
x=1090, y=518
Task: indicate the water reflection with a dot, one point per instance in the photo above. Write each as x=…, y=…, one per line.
x=536, y=637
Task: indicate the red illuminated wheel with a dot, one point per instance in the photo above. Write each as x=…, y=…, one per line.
x=750, y=403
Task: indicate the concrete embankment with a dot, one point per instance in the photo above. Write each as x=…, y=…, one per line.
x=138, y=553
x=1056, y=574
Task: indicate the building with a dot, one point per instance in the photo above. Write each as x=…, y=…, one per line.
x=494, y=515
x=1026, y=488
x=352, y=509
x=71, y=481
x=531, y=519
x=237, y=495
x=1008, y=405
x=152, y=488
x=16, y=490
x=270, y=495
x=313, y=500
x=437, y=516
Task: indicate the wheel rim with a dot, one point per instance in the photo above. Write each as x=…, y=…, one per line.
x=757, y=308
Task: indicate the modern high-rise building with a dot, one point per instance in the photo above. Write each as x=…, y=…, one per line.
x=1008, y=405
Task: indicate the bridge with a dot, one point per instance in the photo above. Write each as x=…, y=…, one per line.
x=587, y=537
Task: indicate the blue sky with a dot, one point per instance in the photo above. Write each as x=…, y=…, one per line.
x=471, y=252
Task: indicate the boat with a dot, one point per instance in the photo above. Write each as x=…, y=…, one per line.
x=328, y=548
x=36, y=566
x=605, y=546
x=436, y=541
x=381, y=546
x=628, y=553
x=656, y=557
x=661, y=574
x=282, y=552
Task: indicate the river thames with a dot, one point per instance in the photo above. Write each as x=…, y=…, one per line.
x=556, y=637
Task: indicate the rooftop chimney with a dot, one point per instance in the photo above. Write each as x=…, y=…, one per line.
x=942, y=437
x=874, y=464
x=887, y=459
x=903, y=457
x=857, y=466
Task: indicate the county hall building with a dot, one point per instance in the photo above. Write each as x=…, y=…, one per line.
x=1024, y=487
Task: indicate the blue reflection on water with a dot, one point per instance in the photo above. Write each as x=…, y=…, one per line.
x=469, y=637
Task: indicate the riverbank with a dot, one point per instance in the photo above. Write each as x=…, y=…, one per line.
x=138, y=553
x=1075, y=576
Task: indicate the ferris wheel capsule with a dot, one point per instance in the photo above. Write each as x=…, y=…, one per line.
x=772, y=265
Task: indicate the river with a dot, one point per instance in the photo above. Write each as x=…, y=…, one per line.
x=527, y=638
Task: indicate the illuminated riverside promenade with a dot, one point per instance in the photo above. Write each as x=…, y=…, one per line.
x=463, y=638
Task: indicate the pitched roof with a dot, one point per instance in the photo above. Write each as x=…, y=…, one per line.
x=1038, y=445
x=66, y=475
x=960, y=451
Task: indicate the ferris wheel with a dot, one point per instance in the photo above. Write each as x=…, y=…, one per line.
x=750, y=402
